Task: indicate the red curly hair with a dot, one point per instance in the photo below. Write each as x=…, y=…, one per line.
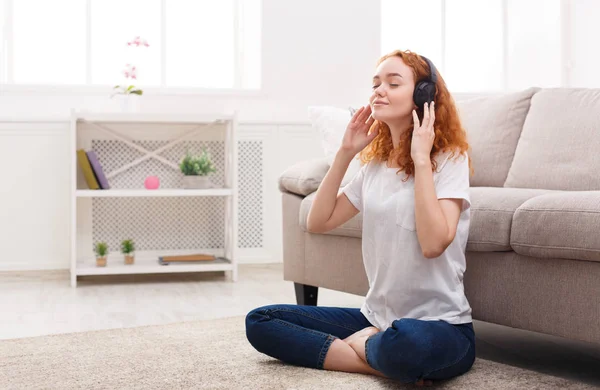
x=449, y=133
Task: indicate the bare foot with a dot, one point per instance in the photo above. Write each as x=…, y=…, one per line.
x=366, y=331
x=341, y=357
x=358, y=342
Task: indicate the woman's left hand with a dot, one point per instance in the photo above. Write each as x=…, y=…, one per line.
x=423, y=135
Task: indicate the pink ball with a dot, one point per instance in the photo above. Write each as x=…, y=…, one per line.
x=152, y=183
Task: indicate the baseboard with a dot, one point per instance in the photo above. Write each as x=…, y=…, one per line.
x=19, y=266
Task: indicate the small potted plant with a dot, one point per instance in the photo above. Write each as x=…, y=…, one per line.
x=196, y=170
x=128, y=249
x=128, y=95
x=101, y=250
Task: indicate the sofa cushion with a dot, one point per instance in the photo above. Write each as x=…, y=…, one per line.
x=559, y=225
x=352, y=228
x=493, y=125
x=559, y=143
x=492, y=212
x=305, y=177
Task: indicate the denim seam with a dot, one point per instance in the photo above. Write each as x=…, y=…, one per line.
x=324, y=351
x=314, y=318
x=455, y=362
x=290, y=325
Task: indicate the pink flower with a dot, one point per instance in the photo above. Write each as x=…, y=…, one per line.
x=138, y=41
x=130, y=71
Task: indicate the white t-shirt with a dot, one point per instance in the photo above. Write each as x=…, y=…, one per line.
x=403, y=283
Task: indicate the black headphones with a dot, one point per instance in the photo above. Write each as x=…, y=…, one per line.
x=425, y=89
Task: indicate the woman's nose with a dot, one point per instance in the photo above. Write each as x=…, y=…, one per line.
x=379, y=91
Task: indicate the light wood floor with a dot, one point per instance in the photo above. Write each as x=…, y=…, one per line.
x=42, y=302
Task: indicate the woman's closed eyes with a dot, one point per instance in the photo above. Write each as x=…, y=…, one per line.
x=391, y=85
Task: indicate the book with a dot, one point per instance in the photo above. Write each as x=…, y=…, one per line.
x=185, y=259
x=88, y=173
x=198, y=257
x=98, y=171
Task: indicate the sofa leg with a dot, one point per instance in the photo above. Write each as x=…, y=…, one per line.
x=306, y=295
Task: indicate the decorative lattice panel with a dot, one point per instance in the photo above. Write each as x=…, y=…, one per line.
x=177, y=222
x=114, y=154
x=160, y=223
x=250, y=184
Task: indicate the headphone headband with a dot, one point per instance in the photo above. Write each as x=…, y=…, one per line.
x=432, y=70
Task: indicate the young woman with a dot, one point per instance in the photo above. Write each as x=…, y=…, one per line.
x=413, y=190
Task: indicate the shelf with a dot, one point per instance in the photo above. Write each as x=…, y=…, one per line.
x=147, y=263
x=149, y=117
x=137, y=193
x=129, y=129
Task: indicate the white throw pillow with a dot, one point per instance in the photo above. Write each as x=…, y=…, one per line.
x=331, y=124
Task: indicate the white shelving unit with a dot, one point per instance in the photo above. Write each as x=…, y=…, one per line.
x=83, y=261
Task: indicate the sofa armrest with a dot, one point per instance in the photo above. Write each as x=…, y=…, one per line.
x=304, y=177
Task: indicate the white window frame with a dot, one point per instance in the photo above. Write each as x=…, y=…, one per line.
x=8, y=86
x=566, y=47
x=565, y=34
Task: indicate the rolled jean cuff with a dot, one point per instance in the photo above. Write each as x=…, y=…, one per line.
x=371, y=363
x=324, y=351
x=367, y=351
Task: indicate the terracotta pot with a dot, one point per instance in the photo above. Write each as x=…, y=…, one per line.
x=129, y=259
x=101, y=261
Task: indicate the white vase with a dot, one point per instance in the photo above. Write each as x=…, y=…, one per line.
x=196, y=182
x=128, y=103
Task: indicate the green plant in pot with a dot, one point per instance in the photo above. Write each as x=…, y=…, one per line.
x=101, y=250
x=128, y=250
x=196, y=169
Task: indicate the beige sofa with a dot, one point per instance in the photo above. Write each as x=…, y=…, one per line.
x=533, y=255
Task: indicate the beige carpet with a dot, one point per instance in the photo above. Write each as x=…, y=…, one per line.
x=202, y=355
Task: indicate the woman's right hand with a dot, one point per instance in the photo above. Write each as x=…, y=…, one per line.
x=356, y=137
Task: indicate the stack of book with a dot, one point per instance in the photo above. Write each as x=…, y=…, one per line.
x=92, y=170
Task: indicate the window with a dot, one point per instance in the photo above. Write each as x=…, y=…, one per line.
x=473, y=39
x=481, y=46
x=188, y=62
x=211, y=44
x=111, y=29
x=403, y=28
x=585, y=53
x=48, y=44
x=534, y=44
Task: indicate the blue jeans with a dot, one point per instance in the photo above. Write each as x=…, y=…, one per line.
x=407, y=351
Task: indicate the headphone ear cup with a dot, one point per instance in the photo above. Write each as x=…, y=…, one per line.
x=424, y=93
